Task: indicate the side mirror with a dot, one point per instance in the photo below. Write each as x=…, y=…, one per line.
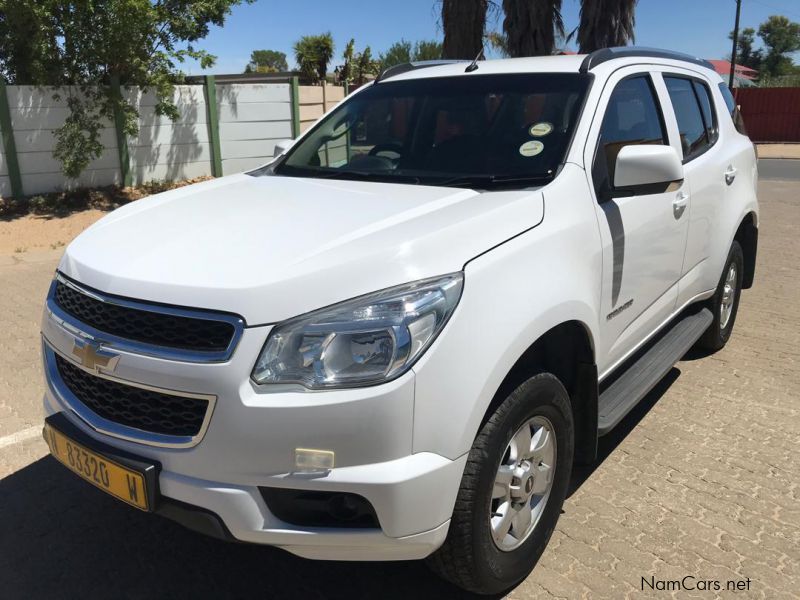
x=282, y=147
x=639, y=165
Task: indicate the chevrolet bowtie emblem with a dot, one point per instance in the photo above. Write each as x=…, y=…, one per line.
x=92, y=356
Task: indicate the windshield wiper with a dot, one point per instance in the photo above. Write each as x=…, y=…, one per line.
x=473, y=181
x=386, y=176
x=346, y=174
x=486, y=181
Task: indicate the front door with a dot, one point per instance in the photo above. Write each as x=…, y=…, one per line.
x=643, y=232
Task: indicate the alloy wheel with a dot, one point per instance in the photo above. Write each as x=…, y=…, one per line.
x=523, y=483
x=728, y=297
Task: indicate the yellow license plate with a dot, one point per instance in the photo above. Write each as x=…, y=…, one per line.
x=121, y=482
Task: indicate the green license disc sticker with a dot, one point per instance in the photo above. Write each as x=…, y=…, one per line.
x=531, y=148
x=541, y=129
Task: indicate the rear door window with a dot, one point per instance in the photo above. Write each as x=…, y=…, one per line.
x=707, y=108
x=692, y=128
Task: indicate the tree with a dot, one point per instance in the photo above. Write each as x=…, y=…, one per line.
x=267, y=61
x=531, y=26
x=606, y=23
x=357, y=66
x=313, y=54
x=347, y=71
x=398, y=53
x=746, y=55
x=427, y=50
x=463, y=22
x=499, y=42
x=781, y=37
x=365, y=66
x=29, y=52
x=88, y=44
x=403, y=52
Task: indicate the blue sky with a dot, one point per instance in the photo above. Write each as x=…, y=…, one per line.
x=699, y=27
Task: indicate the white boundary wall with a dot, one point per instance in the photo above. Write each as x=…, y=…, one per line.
x=35, y=114
x=252, y=118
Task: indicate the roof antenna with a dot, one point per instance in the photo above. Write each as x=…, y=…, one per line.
x=473, y=66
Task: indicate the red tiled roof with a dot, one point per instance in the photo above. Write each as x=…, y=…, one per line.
x=723, y=67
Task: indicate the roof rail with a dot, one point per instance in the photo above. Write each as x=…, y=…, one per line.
x=413, y=66
x=598, y=57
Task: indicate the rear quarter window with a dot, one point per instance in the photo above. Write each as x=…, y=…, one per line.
x=733, y=109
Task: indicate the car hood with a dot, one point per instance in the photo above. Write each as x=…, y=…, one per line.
x=269, y=248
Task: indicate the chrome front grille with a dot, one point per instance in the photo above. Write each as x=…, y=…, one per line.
x=98, y=350
x=169, y=332
x=127, y=409
x=138, y=408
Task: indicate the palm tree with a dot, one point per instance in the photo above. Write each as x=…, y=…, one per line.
x=499, y=42
x=313, y=54
x=606, y=23
x=463, y=22
x=531, y=26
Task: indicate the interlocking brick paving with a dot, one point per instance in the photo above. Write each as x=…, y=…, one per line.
x=702, y=480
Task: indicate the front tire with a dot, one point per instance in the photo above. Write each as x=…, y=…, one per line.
x=724, y=304
x=512, y=490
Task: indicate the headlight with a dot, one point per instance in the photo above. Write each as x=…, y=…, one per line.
x=363, y=341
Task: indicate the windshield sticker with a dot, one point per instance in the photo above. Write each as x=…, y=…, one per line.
x=531, y=148
x=541, y=129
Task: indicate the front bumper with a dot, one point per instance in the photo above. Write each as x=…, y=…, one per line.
x=250, y=442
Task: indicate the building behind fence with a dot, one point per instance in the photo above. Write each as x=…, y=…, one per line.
x=225, y=126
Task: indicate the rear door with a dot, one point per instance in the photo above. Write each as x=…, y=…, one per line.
x=643, y=231
x=705, y=164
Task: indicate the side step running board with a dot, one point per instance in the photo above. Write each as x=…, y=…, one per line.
x=649, y=368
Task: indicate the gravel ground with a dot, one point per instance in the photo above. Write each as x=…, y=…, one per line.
x=701, y=480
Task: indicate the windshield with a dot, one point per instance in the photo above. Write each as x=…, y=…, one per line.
x=481, y=130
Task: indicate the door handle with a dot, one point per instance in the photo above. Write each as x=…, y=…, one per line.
x=730, y=174
x=679, y=204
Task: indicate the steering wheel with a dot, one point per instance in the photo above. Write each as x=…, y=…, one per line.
x=393, y=147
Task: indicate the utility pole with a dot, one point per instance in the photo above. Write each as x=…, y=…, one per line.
x=735, y=43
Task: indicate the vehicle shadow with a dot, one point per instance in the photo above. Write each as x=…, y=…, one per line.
x=608, y=443
x=62, y=538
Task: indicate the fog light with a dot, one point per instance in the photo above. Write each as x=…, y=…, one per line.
x=306, y=459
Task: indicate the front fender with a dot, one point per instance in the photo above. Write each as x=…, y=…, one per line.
x=512, y=296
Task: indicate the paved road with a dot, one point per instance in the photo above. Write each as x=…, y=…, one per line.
x=775, y=168
x=701, y=480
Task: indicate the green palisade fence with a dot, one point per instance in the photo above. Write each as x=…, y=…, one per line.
x=122, y=139
x=213, y=125
x=9, y=145
x=295, y=107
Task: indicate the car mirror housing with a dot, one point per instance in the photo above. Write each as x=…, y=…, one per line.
x=639, y=165
x=281, y=147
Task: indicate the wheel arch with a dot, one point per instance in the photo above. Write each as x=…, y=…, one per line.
x=747, y=236
x=567, y=351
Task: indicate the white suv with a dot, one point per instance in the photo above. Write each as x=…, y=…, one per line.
x=394, y=341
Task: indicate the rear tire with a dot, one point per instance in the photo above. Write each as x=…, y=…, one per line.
x=724, y=304
x=477, y=555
